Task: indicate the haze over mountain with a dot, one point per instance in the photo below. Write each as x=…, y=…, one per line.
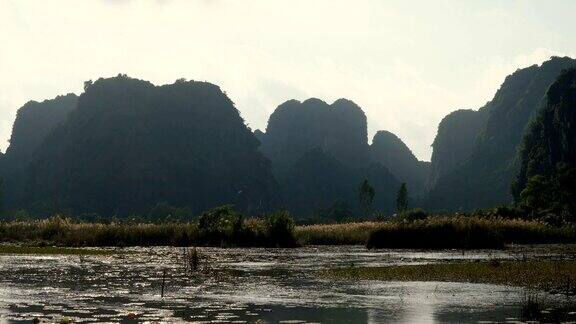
x=381, y=54
x=390, y=151
x=455, y=141
x=126, y=145
x=484, y=178
x=34, y=121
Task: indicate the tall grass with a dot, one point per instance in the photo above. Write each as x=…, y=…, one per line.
x=62, y=231
x=338, y=234
x=278, y=230
x=468, y=232
x=437, y=232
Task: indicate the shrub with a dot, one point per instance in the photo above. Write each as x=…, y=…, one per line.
x=280, y=229
x=441, y=233
x=413, y=215
x=220, y=225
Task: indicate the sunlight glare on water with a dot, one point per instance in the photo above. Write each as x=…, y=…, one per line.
x=246, y=285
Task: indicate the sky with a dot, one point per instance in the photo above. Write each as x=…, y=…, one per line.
x=406, y=63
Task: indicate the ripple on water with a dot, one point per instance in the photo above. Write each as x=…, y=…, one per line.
x=247, y=284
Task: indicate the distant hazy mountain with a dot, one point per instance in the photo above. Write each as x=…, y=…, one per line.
x=455, y=141
x=297, y=127
x=391, y=152
x=551, y=140
x=320, y=155
x=130, y=144
x=484, y=179
x=34, y=121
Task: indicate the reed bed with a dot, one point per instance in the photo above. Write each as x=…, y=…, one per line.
x=554, y=276
x=275, y=230
x=65, y=232
x=430, y=233
x=465, y=232
x=437, y=232
x=337, y=234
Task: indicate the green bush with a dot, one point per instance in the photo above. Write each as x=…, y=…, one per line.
x=280, y=229
x=220, y=225
x=467, y=232
x=413, y=215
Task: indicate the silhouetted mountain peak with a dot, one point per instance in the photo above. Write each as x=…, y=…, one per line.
x=392, y=144
x=33, y=123
x=296, y=127
x=314, y=103
x=389, y=150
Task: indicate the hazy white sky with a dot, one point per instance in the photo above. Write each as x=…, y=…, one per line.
x=406, y=63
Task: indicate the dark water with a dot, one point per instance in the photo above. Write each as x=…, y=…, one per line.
x=251, y=285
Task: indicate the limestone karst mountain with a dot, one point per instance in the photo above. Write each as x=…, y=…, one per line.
x=484, y=178
x=34, y=121
x=389, y=150
x=130, y=144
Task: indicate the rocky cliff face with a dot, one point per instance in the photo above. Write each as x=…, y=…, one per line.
x=484, y=179
x=455, y=140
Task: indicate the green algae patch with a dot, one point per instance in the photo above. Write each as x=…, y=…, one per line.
x=555, y=276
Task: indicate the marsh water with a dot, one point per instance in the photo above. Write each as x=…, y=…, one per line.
x=251, y=285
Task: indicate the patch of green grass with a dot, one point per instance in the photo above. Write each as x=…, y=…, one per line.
x=544, y=275
x=47, y=250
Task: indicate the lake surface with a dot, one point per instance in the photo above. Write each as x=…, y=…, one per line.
x=251, y=285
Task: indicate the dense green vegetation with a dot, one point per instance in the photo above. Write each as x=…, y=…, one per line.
x=225, y=227
x=546, y=183
x=557, y=276
x=417, y=229
x=390, y=151
x=454, y=141
x=130, y=144
x=402, y=199
x=483, y=180
x=466, y=232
